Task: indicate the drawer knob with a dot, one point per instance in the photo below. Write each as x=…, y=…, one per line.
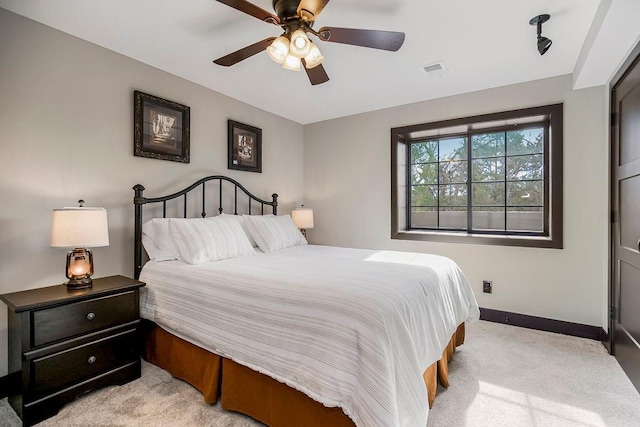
x=91, y=359
x=91, y=316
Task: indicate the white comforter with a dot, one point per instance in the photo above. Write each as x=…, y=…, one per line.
x=348, y=327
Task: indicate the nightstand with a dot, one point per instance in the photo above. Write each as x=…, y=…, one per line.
x=63, y=343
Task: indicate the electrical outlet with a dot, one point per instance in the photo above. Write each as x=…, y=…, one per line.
x=487, y=286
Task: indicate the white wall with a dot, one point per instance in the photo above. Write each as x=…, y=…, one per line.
x=66, y=132
x=347, y=178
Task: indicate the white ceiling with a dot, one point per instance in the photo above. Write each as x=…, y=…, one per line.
x=484, y=44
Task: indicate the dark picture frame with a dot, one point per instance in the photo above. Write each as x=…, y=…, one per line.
x=245, y=147
x=160, y=128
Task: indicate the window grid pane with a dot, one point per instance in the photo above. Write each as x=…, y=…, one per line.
x=424, y=173
x=452, y=149
x=489, y=218
x=490, y=169
x=526, y=141
x=453, y=218
x=525, y=193
x=529, y=219
x=424, y=217
x=424, y=195
x=453, y=172
x=488, y=194
x=487, y=145
x=453, y=195
x=424, y=152
x=525, y=167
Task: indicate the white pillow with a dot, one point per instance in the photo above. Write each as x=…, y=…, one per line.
x=157, y=240
x=273, y=233
x=234, y=241
x=203, y=240
x=239, y=219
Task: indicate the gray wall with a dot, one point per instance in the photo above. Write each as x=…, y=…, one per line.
x=347, y=183
x=66, y=132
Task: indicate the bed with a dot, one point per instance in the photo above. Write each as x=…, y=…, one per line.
x=291, y=333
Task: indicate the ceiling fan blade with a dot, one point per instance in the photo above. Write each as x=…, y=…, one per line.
x=244, y=53
x=253, y=10
x=317, y=75
x=376, y=39
x=310, y=9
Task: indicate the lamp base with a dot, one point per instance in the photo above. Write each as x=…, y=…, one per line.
x=85, y=282
x=79, y=268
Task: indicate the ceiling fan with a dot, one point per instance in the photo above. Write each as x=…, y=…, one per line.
x=293, y=48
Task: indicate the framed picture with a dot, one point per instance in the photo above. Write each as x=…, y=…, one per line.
x=161, y=128
x=245, y=147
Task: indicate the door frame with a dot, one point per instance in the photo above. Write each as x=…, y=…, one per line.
x=622, y=72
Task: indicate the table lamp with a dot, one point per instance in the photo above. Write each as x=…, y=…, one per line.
x=79, y=228
x=303, y=219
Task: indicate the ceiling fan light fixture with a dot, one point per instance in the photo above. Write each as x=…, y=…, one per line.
x=314, y=57
x=292, y=63
x=292, y=48
x=279, y=49
x=300, y=44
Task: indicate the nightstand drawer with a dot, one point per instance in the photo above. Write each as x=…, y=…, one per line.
x=67, y=367
x=57, y=323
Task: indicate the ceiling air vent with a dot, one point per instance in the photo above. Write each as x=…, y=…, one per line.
x=437, y=69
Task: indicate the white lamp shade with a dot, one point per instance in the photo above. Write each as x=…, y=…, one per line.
x=292, y=63
x=300, y=44
x=79, y=228
x=314, y=58
x=303, y=218
x=279, y=49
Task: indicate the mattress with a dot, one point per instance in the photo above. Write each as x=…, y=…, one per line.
x=350, y=328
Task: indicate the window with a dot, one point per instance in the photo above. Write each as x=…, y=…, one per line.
x=487, y=179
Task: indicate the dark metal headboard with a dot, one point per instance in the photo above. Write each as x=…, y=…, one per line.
x=139, y=200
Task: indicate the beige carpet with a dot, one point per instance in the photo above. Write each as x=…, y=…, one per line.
x=501, y=376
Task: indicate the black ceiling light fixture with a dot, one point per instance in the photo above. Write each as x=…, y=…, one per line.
x=543, y=43
x=292, y=48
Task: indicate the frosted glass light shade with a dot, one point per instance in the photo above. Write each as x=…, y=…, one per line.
x=292, y=63
x=279, y=49
x=300, y=44
x=79, y=228
x=303, y=218
x=314, y=58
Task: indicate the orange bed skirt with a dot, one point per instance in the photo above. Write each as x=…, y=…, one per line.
x=259, y=396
